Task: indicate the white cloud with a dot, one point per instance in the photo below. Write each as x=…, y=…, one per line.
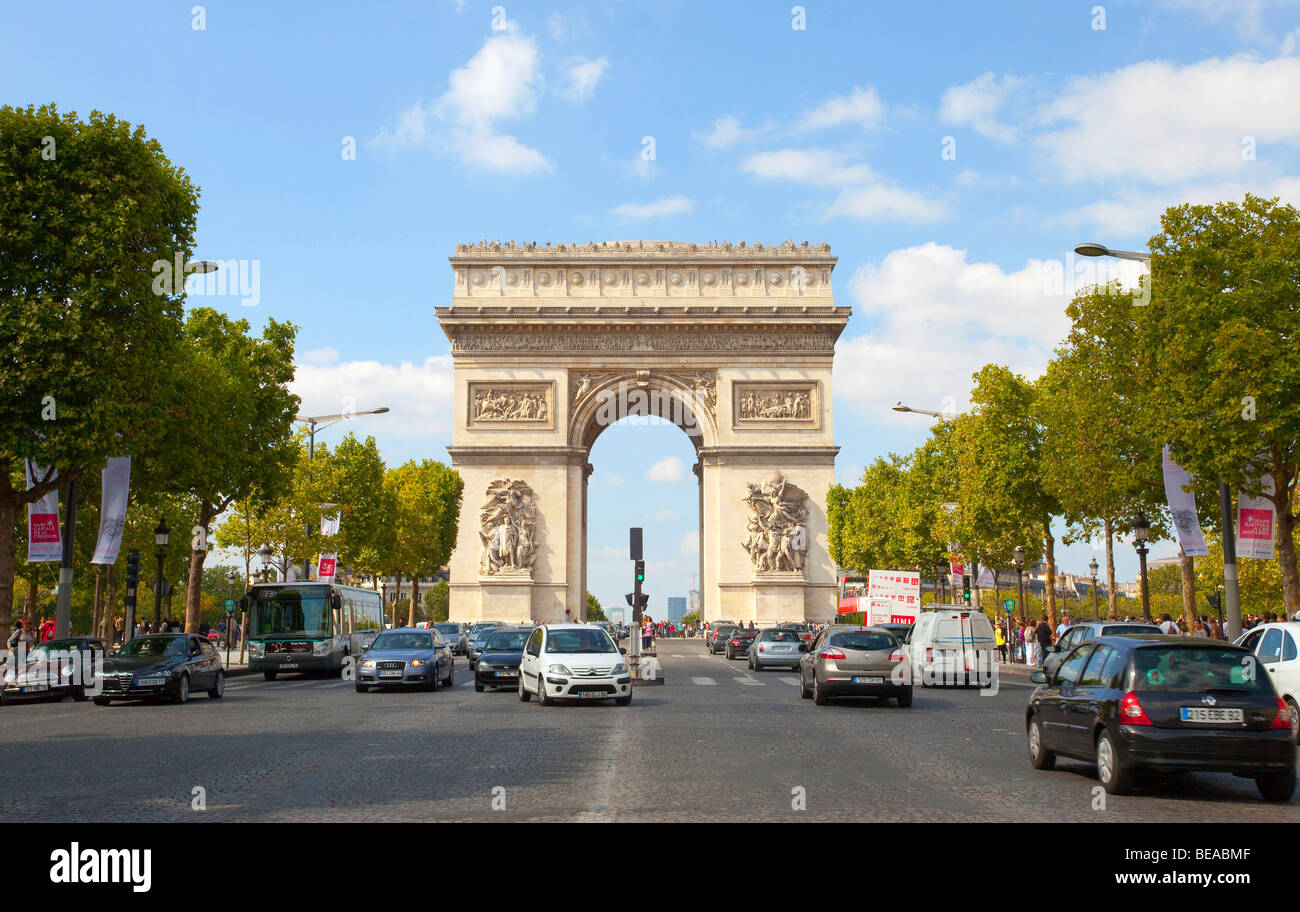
x=936, y=319
x=727, y=131
x=1168, y=124
x=319, y=356
x=690, y=543
x=419, y=396
x=1290, y=42
x=883, y=202
x=500, y=82
x=808, y=166
x=581, y=78
x=668, y=206
x=978, y=103
x=862, y=107
x=670, y=469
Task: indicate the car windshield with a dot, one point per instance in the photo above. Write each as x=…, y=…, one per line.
x=292, y=611
x=1192, y=669
x=403, y=641
x=862, y=640
x=780, y=636
x=566, y=641
x=725, y=631
x=507, y=642
x=453, y=629
x=155, y=646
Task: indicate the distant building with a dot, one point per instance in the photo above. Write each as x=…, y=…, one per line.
x=676, y=610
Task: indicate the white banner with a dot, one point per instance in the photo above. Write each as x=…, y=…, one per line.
x=1182, y=507
x=43, y=543
x=329, y=525
x=116, y=483
x=986, y=580
x=325, y=569
x=893, y=596
x=1255, y=524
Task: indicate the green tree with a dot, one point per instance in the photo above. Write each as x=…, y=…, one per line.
x=87, y=208
x=355, y=481
x=1222, y=334
x=594, y=611
x=231, y=422
x=427, y=497
x=437, y=602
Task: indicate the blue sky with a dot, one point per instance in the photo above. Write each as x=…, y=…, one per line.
x=469, y=124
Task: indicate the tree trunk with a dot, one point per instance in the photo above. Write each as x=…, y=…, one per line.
x=95, y=608
x=1188, y=568
x=1049, y=552
x=415, y=596
x=8, y=519
x=397, y=596
x=110, y=604
x=1286, y=555
x=194, y=585
x=1110, y=569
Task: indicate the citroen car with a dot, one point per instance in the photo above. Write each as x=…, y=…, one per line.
x=162, y=666
x=573, y=662
x=405, y=656
x=1163, y=703
x=498, y=664
x=54, y=669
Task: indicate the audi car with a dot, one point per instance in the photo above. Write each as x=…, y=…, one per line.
x=405, y=656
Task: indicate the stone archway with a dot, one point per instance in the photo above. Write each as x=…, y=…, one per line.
x=734, y=344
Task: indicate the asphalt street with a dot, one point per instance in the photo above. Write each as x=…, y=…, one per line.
x=716, y=742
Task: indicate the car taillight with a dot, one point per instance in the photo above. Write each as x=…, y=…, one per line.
x=830, y=653
x=1131, y=711
x=1283, y=717
x=929, y=654
x=760, y=647
x=897, y=655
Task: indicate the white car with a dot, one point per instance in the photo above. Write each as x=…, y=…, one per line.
x=1277, y=648
x=573, y=662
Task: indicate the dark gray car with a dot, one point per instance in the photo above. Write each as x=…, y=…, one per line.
x=405, y=656
x=1083, y=631
x=454, y=634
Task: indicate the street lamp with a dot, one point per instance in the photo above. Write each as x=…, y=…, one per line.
x=266, y=554
x=320, y=422
x=946, y=416
x=1092, y=565
x=160, y=536
x=1019, y=563
x=1141, y=531
x=1099, y=250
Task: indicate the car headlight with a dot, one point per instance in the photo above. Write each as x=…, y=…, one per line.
x=483, y=666
x=257, y=650
x=322, y=648
x=619, y=669
x=559, y=670
x=416, y=663
x=368, y=663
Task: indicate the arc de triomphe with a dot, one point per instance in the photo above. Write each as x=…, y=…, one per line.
x=732, y=343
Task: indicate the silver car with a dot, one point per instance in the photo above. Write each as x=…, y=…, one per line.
x=775, y=646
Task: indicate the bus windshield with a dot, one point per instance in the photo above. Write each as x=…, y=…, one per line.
x=298, y=612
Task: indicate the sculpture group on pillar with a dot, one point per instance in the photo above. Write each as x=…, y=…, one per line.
x=777, y=538
x=509, y=520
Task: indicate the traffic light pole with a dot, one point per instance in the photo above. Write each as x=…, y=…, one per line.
x=132, y=582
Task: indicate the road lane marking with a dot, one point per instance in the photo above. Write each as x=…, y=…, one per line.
x=704, y=681
x=746, y=679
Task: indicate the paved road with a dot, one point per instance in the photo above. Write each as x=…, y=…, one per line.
x=715, y=742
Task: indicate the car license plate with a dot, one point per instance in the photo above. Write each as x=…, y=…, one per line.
x=505, y=674
x=1206, y=714
x=870, y=679
x=149, y=682
x=394, y=673
x=32, y=688
x=284, y=665
x=591, y=694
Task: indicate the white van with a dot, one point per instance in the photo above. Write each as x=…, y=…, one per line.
x=952, y=644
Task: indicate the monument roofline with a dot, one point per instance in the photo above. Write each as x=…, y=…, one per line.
x=641, y=250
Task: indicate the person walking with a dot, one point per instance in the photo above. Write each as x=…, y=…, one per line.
x=1043, y=634
x=1002, y=642
x=1167, y=626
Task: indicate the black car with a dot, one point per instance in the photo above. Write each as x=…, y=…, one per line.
x=54, y=669
x=718, y=637
x=1162, y=703
x=162, y=665
x=1082, y=631
x=738, y=643
x=498, y=664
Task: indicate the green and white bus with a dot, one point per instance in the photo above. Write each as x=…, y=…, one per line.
x=309, y=626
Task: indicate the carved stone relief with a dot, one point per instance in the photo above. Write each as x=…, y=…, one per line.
x=509, y=519
x=777, y=533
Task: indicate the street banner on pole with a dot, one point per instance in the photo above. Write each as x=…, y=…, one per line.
x=325, y=566
x=893, y=596
x=1182, y=506
x=116, y=484
x=986, y=580
x=43, y=540
x=1255, y=524
x=329, y=525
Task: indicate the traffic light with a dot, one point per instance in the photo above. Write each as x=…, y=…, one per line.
x=640, y=571
x=132, y=570
x=965, y=587
x=632, y=600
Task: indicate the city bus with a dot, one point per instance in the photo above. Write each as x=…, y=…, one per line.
x=308, y=626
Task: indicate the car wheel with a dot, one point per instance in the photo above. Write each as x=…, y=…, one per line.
x=803, y=688
x=1113, y=775
x=218, y=689
x=819, y=693
x=182, y=689
x=362, y=688
x=478, y=688
x=1039, y=757
x=1277, y=786
x=905, y=698
x=542, y=698
x=102, y=701
x=1295, y=719
x=450, y=680
x=523, y=691
x=269, y=675
x=750, y=663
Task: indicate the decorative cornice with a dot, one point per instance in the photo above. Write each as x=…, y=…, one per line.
x=639, y=249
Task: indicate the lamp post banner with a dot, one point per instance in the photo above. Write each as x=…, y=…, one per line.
x=325, y=568
x=329, y=525
x=1182, y=507
x=43, y=540
x=1255, y=524
x=116, y=484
